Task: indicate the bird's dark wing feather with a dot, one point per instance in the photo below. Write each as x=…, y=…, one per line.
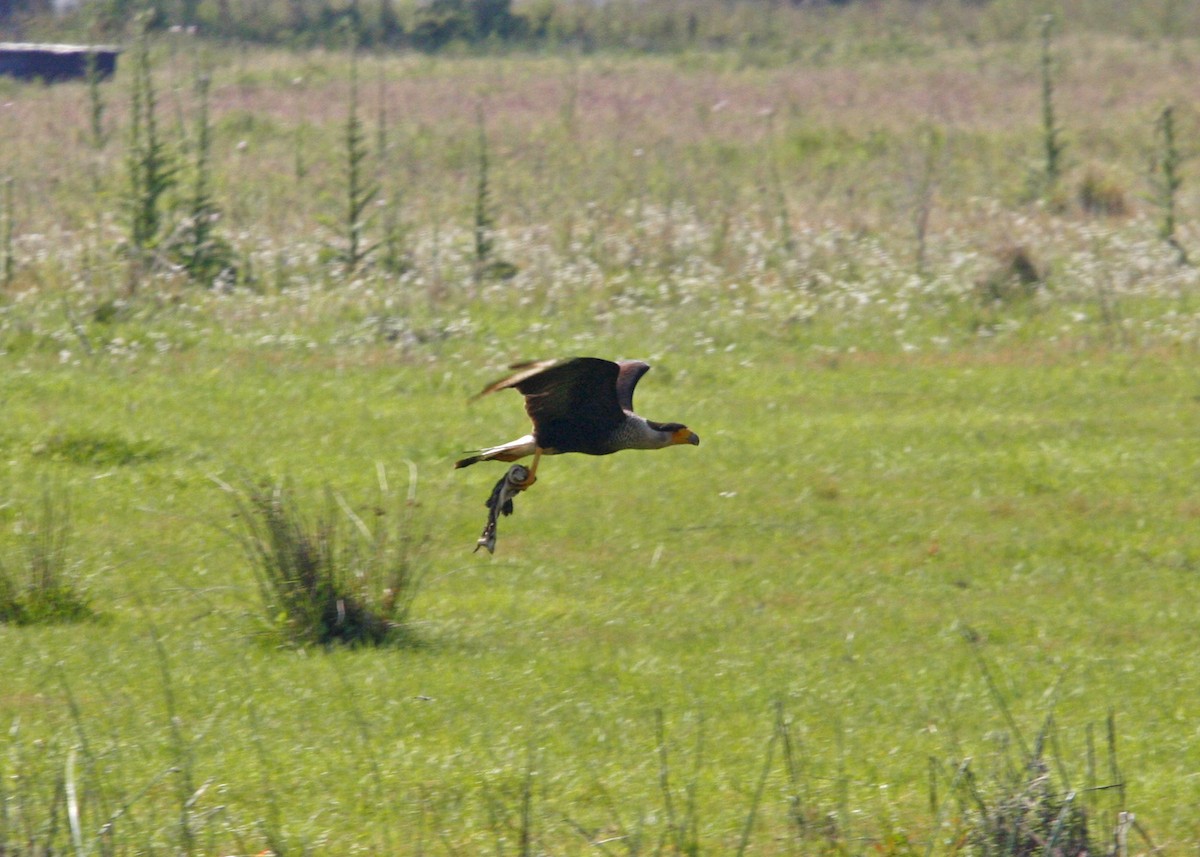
x=631, y=371
x=581, y=390
x=573, y=403
x=524, y=370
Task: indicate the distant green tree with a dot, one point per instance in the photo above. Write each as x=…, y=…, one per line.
x=10, y=8
x=445, y=21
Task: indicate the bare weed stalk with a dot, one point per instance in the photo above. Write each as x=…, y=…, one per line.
x=7, y=229
x=924, y=187
x=798, y=798
x=783, y=219
x=504, y=826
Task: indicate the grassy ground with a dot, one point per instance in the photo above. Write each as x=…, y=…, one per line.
x=839, y=528
x=897, y=477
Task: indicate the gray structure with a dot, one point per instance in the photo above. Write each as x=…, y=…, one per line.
x=56, y=62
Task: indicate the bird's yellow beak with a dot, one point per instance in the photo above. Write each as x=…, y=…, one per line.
x=684, y=435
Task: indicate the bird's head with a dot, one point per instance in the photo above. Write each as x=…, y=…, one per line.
x=678, y=433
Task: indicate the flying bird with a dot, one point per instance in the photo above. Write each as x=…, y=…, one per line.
x=580, y=404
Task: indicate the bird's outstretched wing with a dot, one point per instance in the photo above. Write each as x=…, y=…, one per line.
x=524, y=370
x=577, y=391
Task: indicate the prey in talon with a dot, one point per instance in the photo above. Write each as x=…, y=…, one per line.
x=579, y=404
x=501, y=503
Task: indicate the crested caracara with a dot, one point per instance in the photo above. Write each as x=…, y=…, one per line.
x=580, y=404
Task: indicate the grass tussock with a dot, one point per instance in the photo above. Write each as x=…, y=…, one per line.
x=1033, y=804
x=334, y=577
x=1101, y=195
x=96, y=449
x=39, y=583
x=1032, y=818
x=1015, y=275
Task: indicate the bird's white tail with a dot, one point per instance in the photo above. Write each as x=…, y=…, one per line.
x=511, y=451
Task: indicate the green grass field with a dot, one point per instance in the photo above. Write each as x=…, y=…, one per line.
x=921, y=521
x=825, y=548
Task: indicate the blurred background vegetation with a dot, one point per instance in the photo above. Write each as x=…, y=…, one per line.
x=782, y=28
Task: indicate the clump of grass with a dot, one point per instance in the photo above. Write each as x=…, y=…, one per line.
x=38, y=579
x=1032, y=808
x=1101, y=195
x=1029, y=814
x=1015, y=276
x=97, y=449
x=331, y=578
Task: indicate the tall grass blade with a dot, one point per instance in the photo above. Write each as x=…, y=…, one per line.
x=180, y=749
x=791, y=765
x=756, y=801
x=73, y=806
x=682, y=830
x=998, y=699
x=380, y=797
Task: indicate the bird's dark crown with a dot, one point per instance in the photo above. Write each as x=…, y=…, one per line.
x=667, y=427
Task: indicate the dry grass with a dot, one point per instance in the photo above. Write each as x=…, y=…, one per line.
x=621, y=187
x=601, y=128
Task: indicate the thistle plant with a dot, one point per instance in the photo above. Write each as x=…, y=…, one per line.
x=486, y=267
x=360, y=191
x=1167, y=179
x=151, y=167
x=96, y=107
x=484, y=224
x=396, y=258
x=1052, y=143
x=201, y=251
